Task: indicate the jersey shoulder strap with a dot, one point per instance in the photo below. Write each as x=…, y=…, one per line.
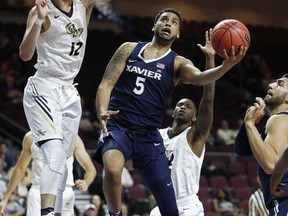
x=283, y=112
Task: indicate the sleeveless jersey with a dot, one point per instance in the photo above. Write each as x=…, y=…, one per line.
x=143, y=88
x=265, y=178
x=37, y=164
x=61, y=48
x=186, y=166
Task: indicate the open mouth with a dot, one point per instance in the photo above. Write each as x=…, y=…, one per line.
x=181, y=112
x=166, y=30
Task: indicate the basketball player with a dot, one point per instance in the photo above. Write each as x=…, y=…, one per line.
x=185, y=144
x=268, y=147
x=142, y=76
x=31, y=151
x=58, y=30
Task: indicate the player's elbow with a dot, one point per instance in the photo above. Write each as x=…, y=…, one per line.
x=25, y=56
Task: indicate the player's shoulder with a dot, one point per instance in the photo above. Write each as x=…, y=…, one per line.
x=127, y=47
x=88, y=3
x=277, y=120
x=181, y=60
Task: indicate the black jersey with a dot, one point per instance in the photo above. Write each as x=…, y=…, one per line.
x=143, y=88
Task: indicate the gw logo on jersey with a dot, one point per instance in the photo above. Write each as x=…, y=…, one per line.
x=70, y=29
x=145, y=72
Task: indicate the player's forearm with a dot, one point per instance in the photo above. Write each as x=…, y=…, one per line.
x=16, y=177
x=89, y=176
x=102, y=99
x=28, y=45
x=205, y=117
x=262, y=152
x=210, y=75
x=210, y=62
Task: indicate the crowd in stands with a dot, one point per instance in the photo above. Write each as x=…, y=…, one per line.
x=222, y=170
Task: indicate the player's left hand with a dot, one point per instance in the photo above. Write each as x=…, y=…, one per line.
x=81, y=184
x=207, y=49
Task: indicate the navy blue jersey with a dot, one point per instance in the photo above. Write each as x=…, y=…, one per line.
x=265, y=180
x=242, y=148
x=143, y=88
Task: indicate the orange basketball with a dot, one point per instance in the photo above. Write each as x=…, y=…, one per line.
x=227, y=33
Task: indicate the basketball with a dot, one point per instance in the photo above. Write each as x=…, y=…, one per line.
x=227, y=33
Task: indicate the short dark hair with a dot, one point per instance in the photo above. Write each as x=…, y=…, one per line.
x=285, y=75
x=172, y=10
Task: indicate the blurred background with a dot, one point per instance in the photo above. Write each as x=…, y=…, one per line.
x=115, y=22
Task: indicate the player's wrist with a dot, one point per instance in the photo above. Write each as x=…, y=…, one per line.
x=39, y=21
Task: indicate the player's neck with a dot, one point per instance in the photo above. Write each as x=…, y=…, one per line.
x=64, y=5
x=277, y=109
x=179, y=128
x=154, y=50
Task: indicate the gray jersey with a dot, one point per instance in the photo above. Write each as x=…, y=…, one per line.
x=61, y=48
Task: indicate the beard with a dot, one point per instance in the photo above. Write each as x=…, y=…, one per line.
x=273, y=102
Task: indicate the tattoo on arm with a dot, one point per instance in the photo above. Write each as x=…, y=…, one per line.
x=117, y=63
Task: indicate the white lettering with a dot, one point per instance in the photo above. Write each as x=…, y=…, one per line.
x=145, y=72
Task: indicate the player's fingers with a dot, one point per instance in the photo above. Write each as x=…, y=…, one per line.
x=225, y=54
x=105, y=129
x=207, y=38
x=200, y=46
x=113, y=112
x=232, y=51
x=210, y=33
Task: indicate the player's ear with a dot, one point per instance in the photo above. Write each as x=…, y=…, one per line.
x=178, y=35
x=193, y=120
x=286, y=99
x=153, y=28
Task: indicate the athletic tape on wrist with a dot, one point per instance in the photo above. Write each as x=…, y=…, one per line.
x=38, y=22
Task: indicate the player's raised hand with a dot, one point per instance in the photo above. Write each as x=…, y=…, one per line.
x=41, y=6
x=207, y=49
x=256, y=112
x=234, y=59
x=104, y=118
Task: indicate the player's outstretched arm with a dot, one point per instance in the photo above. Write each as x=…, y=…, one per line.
x=19, y=170
x=86, y=163
x=35, y=23
x=205, y=113
x=189, y=74
x=111, y=75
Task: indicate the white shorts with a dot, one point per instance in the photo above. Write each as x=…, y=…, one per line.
x=34, y=206
x=192, y=208
x=53, y=110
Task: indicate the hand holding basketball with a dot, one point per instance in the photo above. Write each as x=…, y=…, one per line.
x=228, y=33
